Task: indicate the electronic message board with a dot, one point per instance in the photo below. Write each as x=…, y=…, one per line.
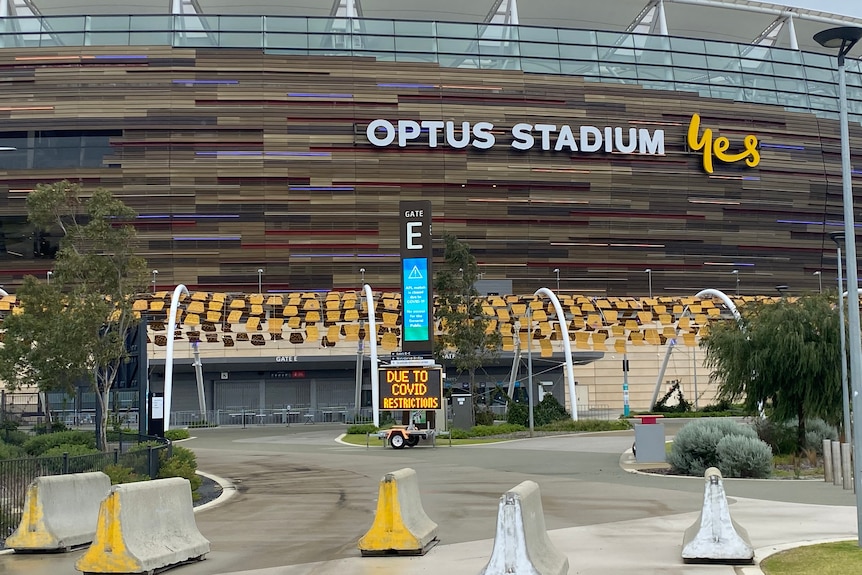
x=411, y=388
x=417, y=300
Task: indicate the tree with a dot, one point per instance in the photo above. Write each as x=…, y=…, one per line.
x=465, y=336
x=74, y=328
x=785, y=355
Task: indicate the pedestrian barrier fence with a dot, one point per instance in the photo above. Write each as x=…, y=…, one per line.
x=144, y=527
x=521, y=544
x=715, y=537
x=60, y=512
x=400, y=525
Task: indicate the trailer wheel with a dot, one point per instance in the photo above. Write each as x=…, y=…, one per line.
x=413, y=441
x=396, y=440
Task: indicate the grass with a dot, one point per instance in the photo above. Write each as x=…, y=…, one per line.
x=827, y=559
x=793, y=466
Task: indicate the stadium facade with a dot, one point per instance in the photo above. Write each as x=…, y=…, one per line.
x=618, y=149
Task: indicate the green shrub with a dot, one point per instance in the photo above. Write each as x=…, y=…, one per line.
x=14, y=437
x=11, y=451
x=41, y=443
x=695, y=447
x=816, y=430
x=722, y=405
x=53, y=427
x=518, y=414
x=488, y=430
x=548, y=411
x=741, y=456
x=73, y=449
x=484, y=417
x=587, y=425
x=182, y=463
x=177, y=434
x=362, y=429
x=122, y=474
x=459, y=434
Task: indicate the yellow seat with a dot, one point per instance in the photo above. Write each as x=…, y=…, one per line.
x=274, y=325
x=290, y=311
x=312, y=333
x=139, y=305
x=620, y=346
x=546, y=348
x=333, y=334
x=312, y=316
x=636, y=337
x=351, y=315
x=237, y=303
x=689, y=339
x=310, y=304
x=333, y=315
x=274, y=301
x=645, y=316
x=508, y=343
x=390, y=319
x=215, y=305
x=582, y=340
x=256, y=309
x=389, y=342
x=195, y=307
x=252, y=324
x=294, y=322
x=610, y=316
x=255, y=299
x=213, y=316
x=192, y=319
x=599, y=338
x=234, y=316
x=157, y=305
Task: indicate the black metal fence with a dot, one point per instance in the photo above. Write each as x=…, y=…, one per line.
x=141, y=453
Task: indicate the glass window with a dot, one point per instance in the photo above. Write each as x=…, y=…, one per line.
x=687, y=45
x=196, y=39
x=529, y=34
x=646, y=72
x=241, y=23
x=427, y=45
x=415, y=57
x=540, y=50
x=150, y=38
x=107, y=39
x=240, y=39
x=822, y=89
x=63, y=39
x=579, y=52
x=326, y=25
x=500, y=63
x=658, y=43
x=541, y=66
x=282, y=24
x=378, y=27
x=690, y=75
x=759, y=96
x=64, y=23
x=295, y=41
x=789, y=84
x=424, y=29
x=654, y=57
x=723, y=63
x=689, y=60
x=821, y=75
x=819, y=60
x=614, y=71
x=788, y=71
x=379, y=56
x=785, y=56
x=452, y=46
x=452, y=30
x=759, y=82
x=793, y=100
x=580, y=68
x=365, y=42
x=726, y=92
x=614, y=39
x=577, y=37
x=498, y=32
x=108, y=23
x=829, y=104
x=725, y=49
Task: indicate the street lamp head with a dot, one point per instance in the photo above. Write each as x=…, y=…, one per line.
x=155, y=272
x=735, y=272
x=556, y=270
x=259, y=270
x=648, y=271
x=817, y=273
x=843, y=37
x=362, y=270
x=837, y=237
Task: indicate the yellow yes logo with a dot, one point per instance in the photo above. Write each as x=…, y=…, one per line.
x=719, y=147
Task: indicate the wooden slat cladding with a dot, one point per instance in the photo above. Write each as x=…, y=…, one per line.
x=239, y=160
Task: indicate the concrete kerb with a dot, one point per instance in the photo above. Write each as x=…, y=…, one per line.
x=228, y=490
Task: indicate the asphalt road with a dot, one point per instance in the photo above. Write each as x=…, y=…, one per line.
x=302, y=497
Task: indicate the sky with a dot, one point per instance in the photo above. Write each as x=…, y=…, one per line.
x=843, y=7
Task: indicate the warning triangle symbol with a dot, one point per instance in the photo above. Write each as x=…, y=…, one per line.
x=415, y=274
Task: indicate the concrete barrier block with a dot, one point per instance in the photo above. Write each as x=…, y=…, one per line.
x=522, y=545
x=400, y=526
x=60, y=512
x=715, y=537
x=143, y=527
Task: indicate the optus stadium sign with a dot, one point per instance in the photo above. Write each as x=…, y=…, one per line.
x=563, y=138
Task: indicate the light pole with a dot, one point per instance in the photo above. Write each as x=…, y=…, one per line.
x=838, y=237
x=362, y=273
x=155, y=273
x=648, y=271
x=259, y=280
x=844, y=38
x=819, y=281
x=736, y=273
x=557, y=272
x=48, y=276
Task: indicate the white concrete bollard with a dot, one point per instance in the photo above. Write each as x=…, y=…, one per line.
x=827, y=460
x=522, y=545
x=144, y=527
x=836, y=463
x=715, y=537
x=60, y=512
x=847, y=466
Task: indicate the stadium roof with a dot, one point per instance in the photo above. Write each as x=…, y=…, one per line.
x=790, y=24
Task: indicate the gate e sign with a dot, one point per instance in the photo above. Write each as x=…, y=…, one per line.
x=417, y=301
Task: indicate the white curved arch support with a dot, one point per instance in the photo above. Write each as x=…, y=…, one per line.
x=375, y=380
x=672, y=342
x=3, y=292
x=567, y=347
x=169, y=352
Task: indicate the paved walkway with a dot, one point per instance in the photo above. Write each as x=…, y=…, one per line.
x=303, y=500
